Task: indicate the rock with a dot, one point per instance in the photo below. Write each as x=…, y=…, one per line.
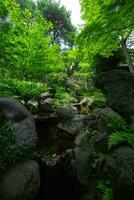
x=82, y=140
x=51, y=161
x=45, y=95
x=72, y=125
x=46, y=101
x=118, y=87
x=84, y=106
x=22, y=121
x=56, y=183
x=66, y=113
x=49, y=136
x=46, y=105
x=20, y=182
x=32, y=106
x=81, y=164
x=120, y=170
x=104, y=129
x=99, y=124
x=86, y=102
x=79, y=160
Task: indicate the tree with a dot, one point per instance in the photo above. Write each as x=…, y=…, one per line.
x=27, y=46
x=28, y=4
x=62, y=31
x=108, y=26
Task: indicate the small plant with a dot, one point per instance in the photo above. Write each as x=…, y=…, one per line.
x=117, y=122
x=122, y=131
x=97, y=159
x=63, y=98
x=23, y=90
x=120, y=136
x=11, y=152
x=106, y=191
x=97, y=96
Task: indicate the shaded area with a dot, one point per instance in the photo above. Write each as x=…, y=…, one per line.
x=50, y=137
x=56, y=183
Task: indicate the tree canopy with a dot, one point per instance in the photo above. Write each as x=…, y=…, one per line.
x=108, y=25
x=25, y=50
x=62, y=30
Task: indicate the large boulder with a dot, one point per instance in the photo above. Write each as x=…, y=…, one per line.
x=48, y=94
x=70, y=121
x=46, y=101
x=22, y=121
x=118, y=87
x=20, y=182
x=32, y=106
x=46, y=105
x=73, y=125
x=99, y=125
x=119, y=168
x=79, y=160
x=66, y=113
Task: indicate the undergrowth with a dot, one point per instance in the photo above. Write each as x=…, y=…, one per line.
x=123, y=132
x=10, y=151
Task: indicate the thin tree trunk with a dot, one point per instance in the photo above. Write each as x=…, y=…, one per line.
x=127, y=56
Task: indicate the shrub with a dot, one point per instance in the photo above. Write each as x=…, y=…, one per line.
x=11, y=152
x=105, y=190
x=23, y=90
x=63, y=98
x=122, y=131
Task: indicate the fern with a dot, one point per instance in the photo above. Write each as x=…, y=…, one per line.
x=122, y=131
x=120, y=136
x=11, y=152
x=117, y=122
x=107, y=193
x=115, y=139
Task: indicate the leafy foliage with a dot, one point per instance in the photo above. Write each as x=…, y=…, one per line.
x=23, y=90
x=62, y=31
x=107, y=25
x=117, y=122
x=97, y=158
x=11, y=152
x=27, y=53
x=63, y=98
x=106, y=191
x=119, y=136
x=122, y=132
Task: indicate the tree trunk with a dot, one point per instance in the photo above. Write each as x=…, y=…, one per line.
x=127, y=56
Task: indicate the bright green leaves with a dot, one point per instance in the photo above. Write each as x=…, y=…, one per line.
x=27, y=47
x=106, y=21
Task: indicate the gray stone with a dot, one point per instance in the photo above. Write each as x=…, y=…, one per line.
x=45, y=95
x=66, y=113
x=22, y=121
x=120, y=168
x=32, y=106
x=79, y=159
x=104, y=129
x=99, y=125
x=46, y=105
x=73, y=125
x=86, y=102
x=20, y=182
x=118, y=87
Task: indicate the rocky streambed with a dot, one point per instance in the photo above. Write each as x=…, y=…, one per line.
x=75, y=158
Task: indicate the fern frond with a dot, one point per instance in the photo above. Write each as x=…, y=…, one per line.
x=120, y=136
x=117, y=122
x=115, y=139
